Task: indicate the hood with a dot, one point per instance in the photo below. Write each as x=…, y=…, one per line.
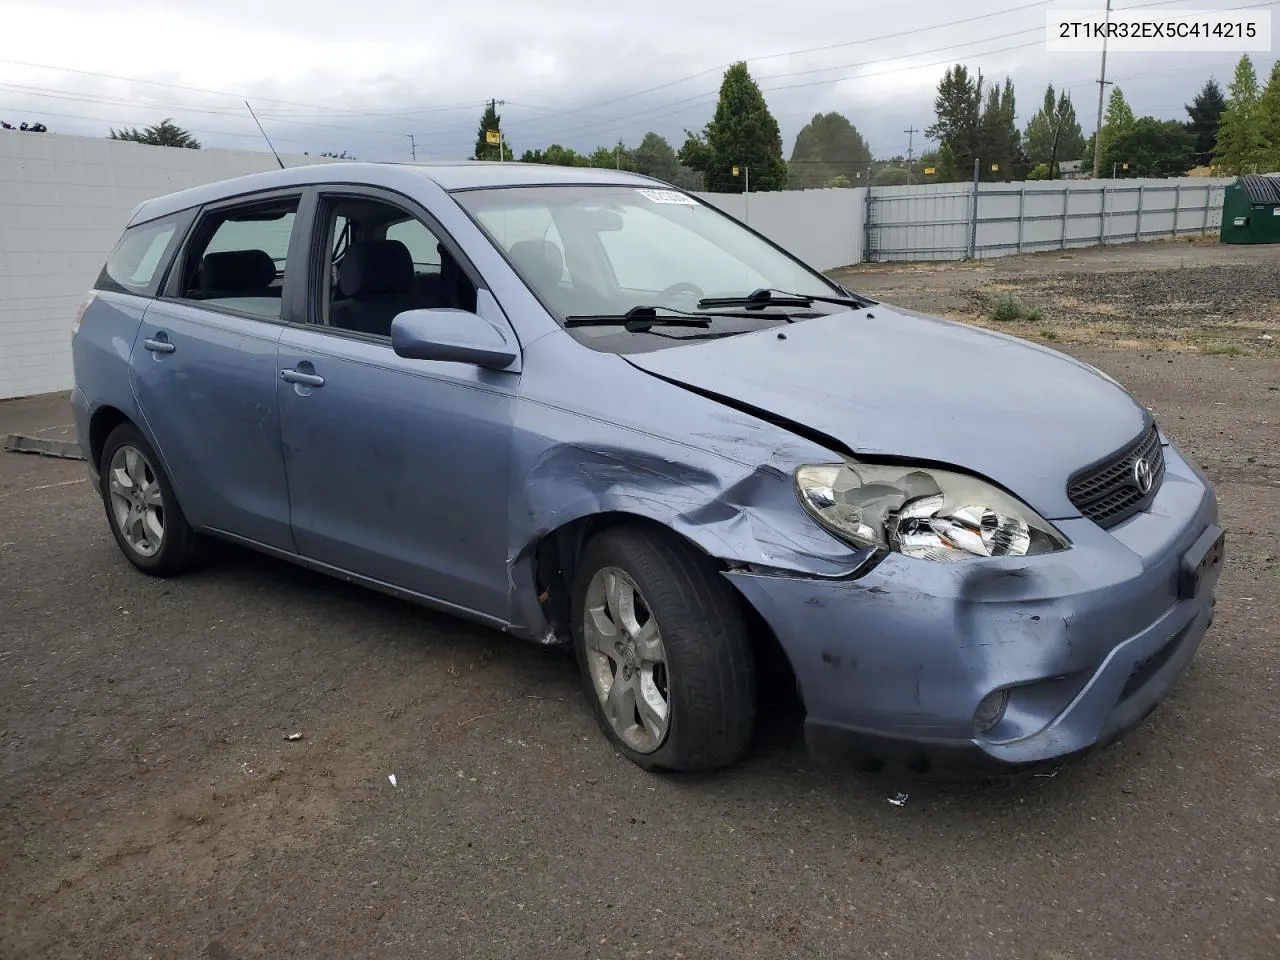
x=895, y=383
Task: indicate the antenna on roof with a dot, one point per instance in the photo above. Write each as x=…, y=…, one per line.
x=264, y=135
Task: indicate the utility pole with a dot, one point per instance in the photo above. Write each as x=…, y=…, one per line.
x=1102, y=88
x=911, y=135
x=493, y=106
x=413, y=148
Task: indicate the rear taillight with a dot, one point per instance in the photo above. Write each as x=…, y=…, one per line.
x=84, y=305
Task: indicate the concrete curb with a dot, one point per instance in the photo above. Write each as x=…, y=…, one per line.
x=20, y=443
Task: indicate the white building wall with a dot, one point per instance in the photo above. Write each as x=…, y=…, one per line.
x=63, y=202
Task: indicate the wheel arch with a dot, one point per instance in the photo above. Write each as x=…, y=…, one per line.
x=553, y=559
x=104, y=420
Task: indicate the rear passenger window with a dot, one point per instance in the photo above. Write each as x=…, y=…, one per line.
x=238, y=258
x=137, y=262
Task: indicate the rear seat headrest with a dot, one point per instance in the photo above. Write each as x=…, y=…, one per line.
x=237, y=270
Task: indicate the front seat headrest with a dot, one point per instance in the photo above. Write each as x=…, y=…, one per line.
x=372, y=268
x=540, y=260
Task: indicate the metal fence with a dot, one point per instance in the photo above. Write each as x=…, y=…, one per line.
x=952, y=221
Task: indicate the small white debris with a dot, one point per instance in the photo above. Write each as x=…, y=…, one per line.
x=1266, y=336
x=392, y=778
x=898, y=799
x=293, y=736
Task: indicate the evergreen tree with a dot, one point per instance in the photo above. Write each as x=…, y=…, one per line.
x=1054, y=133
x=163, y=134
x=491, y=120
x=1242, y=145
x=1205, y=112
x=827, y=148
x=742, y=134
x=1269, y=121
x=957, y=117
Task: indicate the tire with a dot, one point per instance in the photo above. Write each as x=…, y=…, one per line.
x=160, y=542
x=708, y=675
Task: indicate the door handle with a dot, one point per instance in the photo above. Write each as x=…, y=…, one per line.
x=159, y=346
x=297, y=376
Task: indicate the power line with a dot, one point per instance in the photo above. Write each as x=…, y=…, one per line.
x=662, y=111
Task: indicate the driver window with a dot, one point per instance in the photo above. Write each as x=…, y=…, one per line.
x=385, y=261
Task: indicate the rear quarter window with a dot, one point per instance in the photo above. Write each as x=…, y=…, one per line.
x=139, y=259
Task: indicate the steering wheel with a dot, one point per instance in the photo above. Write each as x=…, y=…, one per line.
x=684, y=286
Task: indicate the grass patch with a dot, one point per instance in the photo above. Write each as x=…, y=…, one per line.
x=1221, y=350
x=1008, y=310
x=1049, y=334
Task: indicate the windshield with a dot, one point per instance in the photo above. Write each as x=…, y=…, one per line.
x=604, y=250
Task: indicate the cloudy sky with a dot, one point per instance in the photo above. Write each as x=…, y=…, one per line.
x=329, y=76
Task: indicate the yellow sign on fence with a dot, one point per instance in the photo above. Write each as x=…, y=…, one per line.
x=929, y=170
x=492, y=136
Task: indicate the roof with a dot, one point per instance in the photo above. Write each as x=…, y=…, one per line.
x=1261, y=188
x=459, y=175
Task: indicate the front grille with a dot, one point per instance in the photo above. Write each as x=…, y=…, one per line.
x=1108, y=493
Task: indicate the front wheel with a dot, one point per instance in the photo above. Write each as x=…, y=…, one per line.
x=665, y=652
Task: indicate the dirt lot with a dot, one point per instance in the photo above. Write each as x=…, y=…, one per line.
x=1196, y=296
x=151, y=806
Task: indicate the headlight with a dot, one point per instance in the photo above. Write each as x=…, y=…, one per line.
x=930, y=514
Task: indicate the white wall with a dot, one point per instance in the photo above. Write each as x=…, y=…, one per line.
x=821, y=227
x=63, y=202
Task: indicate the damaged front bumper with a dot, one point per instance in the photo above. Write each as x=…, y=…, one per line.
x=903, y=667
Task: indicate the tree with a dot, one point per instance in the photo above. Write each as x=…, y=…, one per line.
x=828, y=147
x=556, y=156
x=958, y=113
x=1269, y=119
x=1205, y=112
x=1054, y=133
x=1242, y=145
x=999, y=143
x=655, y=157
x=1151, y=148
x=163, y=134
x=491, y=120
x=618, y=157
x=891, y=177
x=743, y=133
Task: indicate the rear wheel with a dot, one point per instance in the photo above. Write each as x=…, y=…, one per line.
x=142, y=510
x=665, y=652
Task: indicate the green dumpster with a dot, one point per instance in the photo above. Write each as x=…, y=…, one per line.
x=1251, y=209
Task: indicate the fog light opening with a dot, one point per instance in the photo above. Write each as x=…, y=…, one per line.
x=991, y=710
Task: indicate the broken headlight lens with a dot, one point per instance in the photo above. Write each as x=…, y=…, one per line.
x=929, y=514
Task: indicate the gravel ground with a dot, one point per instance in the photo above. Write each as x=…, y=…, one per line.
x=152, y=807
x=1196, y=296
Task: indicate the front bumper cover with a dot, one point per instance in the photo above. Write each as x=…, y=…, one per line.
x=893, y=664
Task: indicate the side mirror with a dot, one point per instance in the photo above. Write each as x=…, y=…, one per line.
x=448, y=334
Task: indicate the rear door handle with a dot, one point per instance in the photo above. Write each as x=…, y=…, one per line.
x=297, y=376
x=159, y=346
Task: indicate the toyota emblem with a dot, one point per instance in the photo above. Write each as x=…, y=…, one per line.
x=1142, y=475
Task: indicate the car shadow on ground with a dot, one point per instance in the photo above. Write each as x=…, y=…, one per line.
x=778, y=753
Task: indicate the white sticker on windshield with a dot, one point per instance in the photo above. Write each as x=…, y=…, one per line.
x=667, y=196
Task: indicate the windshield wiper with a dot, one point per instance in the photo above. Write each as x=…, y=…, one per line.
x=765, y=297
x=640, y=319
